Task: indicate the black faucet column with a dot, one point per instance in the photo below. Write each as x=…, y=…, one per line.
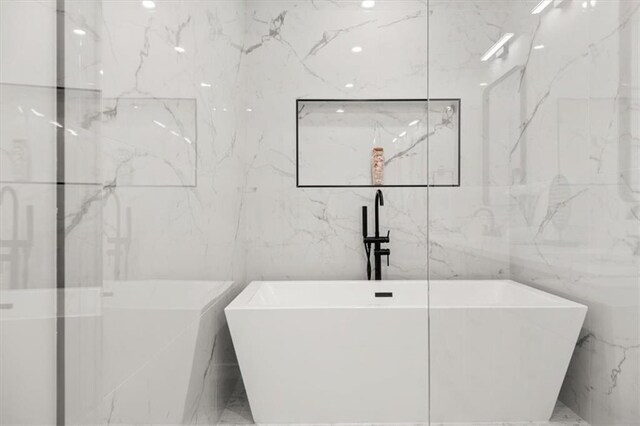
x=376, y=240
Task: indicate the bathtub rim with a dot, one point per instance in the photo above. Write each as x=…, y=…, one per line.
x=201, y=300
x=242, y=301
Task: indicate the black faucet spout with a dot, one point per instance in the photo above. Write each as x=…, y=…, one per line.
x=379, y=202
x=376, y=240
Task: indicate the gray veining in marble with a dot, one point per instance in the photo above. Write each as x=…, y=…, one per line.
x=238, y=412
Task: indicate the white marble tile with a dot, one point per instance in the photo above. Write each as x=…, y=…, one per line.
x=238, y=412
x=292, y=49
x=194, y=225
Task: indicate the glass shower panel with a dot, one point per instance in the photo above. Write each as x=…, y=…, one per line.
x=51, y=223
x=81, y=92
x=172, y=122
x=537, y=249
x=27, y=216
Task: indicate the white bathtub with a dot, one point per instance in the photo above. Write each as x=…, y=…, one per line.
x=332, y=352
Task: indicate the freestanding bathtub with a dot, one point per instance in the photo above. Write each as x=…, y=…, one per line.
x=337, y=352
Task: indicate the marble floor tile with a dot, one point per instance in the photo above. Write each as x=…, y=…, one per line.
x=238, y=412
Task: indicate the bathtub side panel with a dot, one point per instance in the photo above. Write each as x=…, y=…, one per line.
x=333, y=365
x=499, y=364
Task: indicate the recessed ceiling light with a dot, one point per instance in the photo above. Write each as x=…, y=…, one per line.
x=402, y=134
x=174, y=133
x=36, y=113
x=414, y=122
x=187, y=139
x=348, y=85
x=340, y=110
x=55, y=123
x=540, y=7
x=159, y=124
x=538, y=46
x=148, y=4
x=249, y=109
x=368, y=4
x=179, y=49
x=203, y=84
x=483, y=84
x=493, y=49
x=79, y=32
x=394, y=139
x=356, y=49
x=73, y=132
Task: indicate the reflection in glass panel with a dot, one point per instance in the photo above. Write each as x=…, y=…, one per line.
x=546, y=201
x=149, y=141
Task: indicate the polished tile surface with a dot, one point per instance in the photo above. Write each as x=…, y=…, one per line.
x=238, y=412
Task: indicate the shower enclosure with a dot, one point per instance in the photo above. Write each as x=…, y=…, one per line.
x=152, y=165
x=549, y=189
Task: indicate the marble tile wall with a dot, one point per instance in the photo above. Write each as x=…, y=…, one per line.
x=179, y=219
x=469, y=233
x=303, y=49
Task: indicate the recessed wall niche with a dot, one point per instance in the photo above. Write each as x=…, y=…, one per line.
x=335, y=140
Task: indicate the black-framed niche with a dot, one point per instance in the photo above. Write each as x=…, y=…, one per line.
x=335, y=139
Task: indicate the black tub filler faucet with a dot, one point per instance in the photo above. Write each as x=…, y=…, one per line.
x=376, y=240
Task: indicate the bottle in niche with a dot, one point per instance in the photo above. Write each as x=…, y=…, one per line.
x=377, y=166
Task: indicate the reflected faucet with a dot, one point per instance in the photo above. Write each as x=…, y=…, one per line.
x=491, y=230
x=376, y=240
x=120, y=242
x=14, y=244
